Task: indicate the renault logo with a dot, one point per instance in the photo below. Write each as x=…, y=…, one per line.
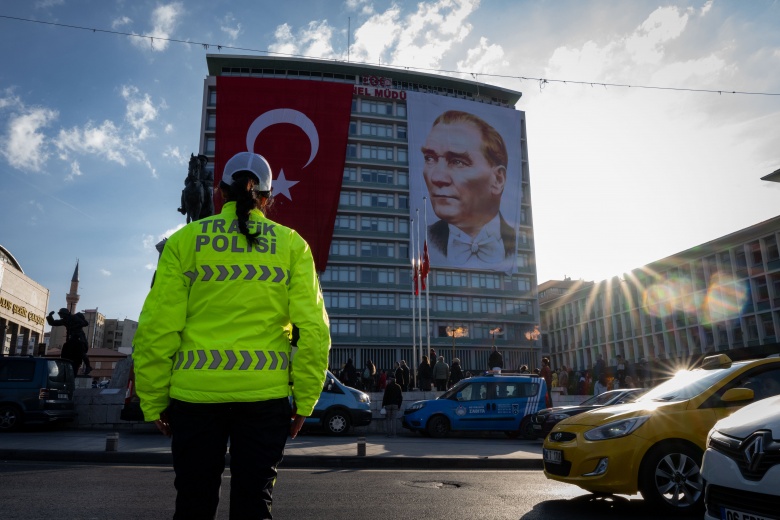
x=753, y=449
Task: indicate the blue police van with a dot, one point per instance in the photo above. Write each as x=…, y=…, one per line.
x=492, y=402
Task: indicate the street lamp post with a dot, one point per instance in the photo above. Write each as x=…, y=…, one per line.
x=456, y=332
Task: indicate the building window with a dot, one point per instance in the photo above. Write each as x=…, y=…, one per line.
x=487, y=281
x=376, y=176
x=518, y=307
x=343, y=248
x=378, y=153
x=348, y=198
x=487, y=305
x=403, y=225
x=343, y=327
x=400, y=110
x=377, y=300
x=339, y=300
x=353, y=127
x=452, y=304
x=401, y=132
x=339, y=273
x=523, y=260
x=376, y=107
x=211, y=144
x=403, y=156
x=377, y=200
x=211, y=122
x=377, y=275
x=350, y=174
x=403, y=179
x=761, y=289
x=381, y=224
x=451, y=279
x=348, y=222
x=352, y=150
x=377, y=249
x=772, y=253
x=212, y=97
x=376, y=129
x=755, y=255
x=378, y=328
x=767, y=326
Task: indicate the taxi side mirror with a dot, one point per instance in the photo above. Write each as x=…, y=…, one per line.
x=734, y=395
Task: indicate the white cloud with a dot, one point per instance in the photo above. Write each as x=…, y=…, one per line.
x=164, y=20
x=421, y=37
x=24, y=143
x=484, y=58
x=140, y=111
x=706, y=7
x=121, y=22
x=168, y=128
x=75, y=171
x=230, y=26
x=314, y=40
x=105, y=272
x=663, y=24
x=175, y=154
x=45, y=4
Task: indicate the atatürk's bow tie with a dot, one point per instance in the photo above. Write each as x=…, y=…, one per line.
x=487, y=249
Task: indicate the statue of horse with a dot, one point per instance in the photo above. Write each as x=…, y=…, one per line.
x=192, y=196
x=206, y=178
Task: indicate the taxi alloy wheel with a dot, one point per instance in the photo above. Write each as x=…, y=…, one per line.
x=438, y=426
x=337, y=423
x=670, y=477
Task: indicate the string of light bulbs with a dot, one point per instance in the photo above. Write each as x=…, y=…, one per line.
x=542, y=81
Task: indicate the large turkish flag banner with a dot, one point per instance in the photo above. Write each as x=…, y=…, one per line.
x=301, y=128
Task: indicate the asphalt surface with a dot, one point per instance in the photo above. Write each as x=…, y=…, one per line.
x=311, y=449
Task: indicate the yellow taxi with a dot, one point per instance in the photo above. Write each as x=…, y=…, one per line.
x=655, y=444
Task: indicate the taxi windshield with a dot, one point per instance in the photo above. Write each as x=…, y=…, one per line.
x=687, y=384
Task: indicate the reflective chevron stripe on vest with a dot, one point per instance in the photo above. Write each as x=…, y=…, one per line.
x=220, y=273
x=229, y=360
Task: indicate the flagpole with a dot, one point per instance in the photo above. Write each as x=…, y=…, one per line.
x=414, y=286
x=418, y=354
x=427, y=285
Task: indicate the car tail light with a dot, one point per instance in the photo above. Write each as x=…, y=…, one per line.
x=129, y=391
x=43, y=394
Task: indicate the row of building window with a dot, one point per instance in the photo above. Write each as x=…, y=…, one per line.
x=437, y=278
x=389, y=328
x=376, y=176
x=377, y=130
x=368, y=223
x=402, y=301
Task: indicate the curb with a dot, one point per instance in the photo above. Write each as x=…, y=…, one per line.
x=290, y=461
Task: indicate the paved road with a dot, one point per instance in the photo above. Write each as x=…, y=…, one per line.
x=36, y=490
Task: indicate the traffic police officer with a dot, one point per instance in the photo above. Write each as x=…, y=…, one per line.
x=212, y=352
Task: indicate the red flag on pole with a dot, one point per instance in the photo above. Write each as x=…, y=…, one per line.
x=426, y=264
x=301, y=128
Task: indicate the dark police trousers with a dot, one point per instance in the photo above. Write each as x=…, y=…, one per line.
x=257, y=432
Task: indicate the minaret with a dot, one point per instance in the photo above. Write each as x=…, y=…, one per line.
x=73, y=297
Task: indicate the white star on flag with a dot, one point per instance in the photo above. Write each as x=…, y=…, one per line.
x=281, y=186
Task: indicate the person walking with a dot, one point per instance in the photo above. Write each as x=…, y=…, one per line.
x=391, y=401
x=456, y=374
x=546, y=373
x=425, y=374
x=212, y=355
x=369, y=377
x=441, y=374
x=407, y=384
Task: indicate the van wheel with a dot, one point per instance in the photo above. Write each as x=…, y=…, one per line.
x=337, y=423
x=438, y=426
x=10, y=417
x=527, y=431
x=670, y=478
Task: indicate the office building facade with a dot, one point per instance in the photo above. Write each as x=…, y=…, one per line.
x=721, y=296
x=382, y=212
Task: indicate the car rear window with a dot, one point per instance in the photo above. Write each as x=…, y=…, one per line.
x=17, y=370
x=56, y=371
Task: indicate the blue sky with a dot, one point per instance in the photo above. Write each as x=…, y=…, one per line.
x=96, y=128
